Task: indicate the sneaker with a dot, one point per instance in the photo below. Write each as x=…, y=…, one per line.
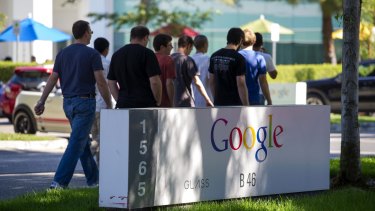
x=95, y=185
x=55, y=185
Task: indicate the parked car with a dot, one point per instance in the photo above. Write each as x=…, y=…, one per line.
x=52, y=120
x=24, y=78
x=1, y=93
x=328, y=91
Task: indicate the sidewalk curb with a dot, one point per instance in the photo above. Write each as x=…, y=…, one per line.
x=35, y=145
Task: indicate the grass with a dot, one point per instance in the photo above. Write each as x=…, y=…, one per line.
x=368, y=167
x=348, y=198
x=24, y=137
x=341, y=199
x=336, y=118
x=69, y=199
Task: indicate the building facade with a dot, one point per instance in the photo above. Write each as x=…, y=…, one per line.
x=304, y=46
x=52, y=13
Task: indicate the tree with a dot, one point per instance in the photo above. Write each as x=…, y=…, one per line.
x=368, y=19
x=350, y=164
x=328, y=8
x=148, y=12
x=2, y=21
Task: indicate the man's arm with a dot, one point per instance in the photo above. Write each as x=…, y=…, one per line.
x=242, y=89
x=103, y=87
x=51, y=83
x=156, y=88
x=271, y=69
x=113, y=88
x=202, y=90
x=211, y=81
x=170, y=90
x=273, y=74
x=265, y=89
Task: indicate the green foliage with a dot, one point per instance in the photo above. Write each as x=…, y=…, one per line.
x=363, y=71
x=7, y=68
x=149, y=12
x=368, y=11
x=2, y=21
x=296, y=73
x=305, y=74
x=336, y=119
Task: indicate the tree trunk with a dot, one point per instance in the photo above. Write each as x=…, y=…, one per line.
x=328, y=45
x=350, y=164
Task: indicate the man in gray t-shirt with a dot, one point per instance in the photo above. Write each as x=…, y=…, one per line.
x=270, y=66
x=186, y=73
x=202, y=60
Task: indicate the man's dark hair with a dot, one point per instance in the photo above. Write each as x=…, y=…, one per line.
x=161, y=39
x=235, y=36
x=100, y=44
x=139, y=32
x=200, y=41
x=184, y=41
x=80, y=28
x=259, y=40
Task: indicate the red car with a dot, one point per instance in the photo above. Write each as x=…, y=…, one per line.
x=24, y=78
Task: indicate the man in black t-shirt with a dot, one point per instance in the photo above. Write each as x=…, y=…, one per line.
x=134, y=73
x=227, y=72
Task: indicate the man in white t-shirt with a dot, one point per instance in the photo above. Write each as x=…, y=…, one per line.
x=270, y=66
x=102, y=46
x=202, y=60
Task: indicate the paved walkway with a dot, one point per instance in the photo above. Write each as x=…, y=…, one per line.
x=367, y=144
x=29, y=166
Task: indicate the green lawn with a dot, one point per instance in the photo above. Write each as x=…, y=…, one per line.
x=348, y=198
x=336, y=118
x=24, y=137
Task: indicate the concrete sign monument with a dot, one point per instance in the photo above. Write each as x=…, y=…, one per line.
x=155, y=157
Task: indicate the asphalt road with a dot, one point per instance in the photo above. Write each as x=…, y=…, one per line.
x=28, y=171
x=31, y=171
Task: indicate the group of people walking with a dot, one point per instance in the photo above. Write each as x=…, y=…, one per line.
x=138, y=77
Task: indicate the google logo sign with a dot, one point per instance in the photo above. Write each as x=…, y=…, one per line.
x=247, y=137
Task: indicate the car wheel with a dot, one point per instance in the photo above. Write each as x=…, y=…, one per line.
x=314, y=99
x=23, y=123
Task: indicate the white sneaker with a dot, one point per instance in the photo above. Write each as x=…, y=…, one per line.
x=56, y=185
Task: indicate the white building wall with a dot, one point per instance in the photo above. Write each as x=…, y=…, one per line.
x=5, y=8
x=66, y=15
x=100, y=28
x=21, y=10
x=42, y=13
x=79, y=10
x=52, y=13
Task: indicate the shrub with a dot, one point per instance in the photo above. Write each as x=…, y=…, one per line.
x=301, y=72
x=7, y=68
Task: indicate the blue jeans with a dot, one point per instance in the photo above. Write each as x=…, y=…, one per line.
x=81, y=113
